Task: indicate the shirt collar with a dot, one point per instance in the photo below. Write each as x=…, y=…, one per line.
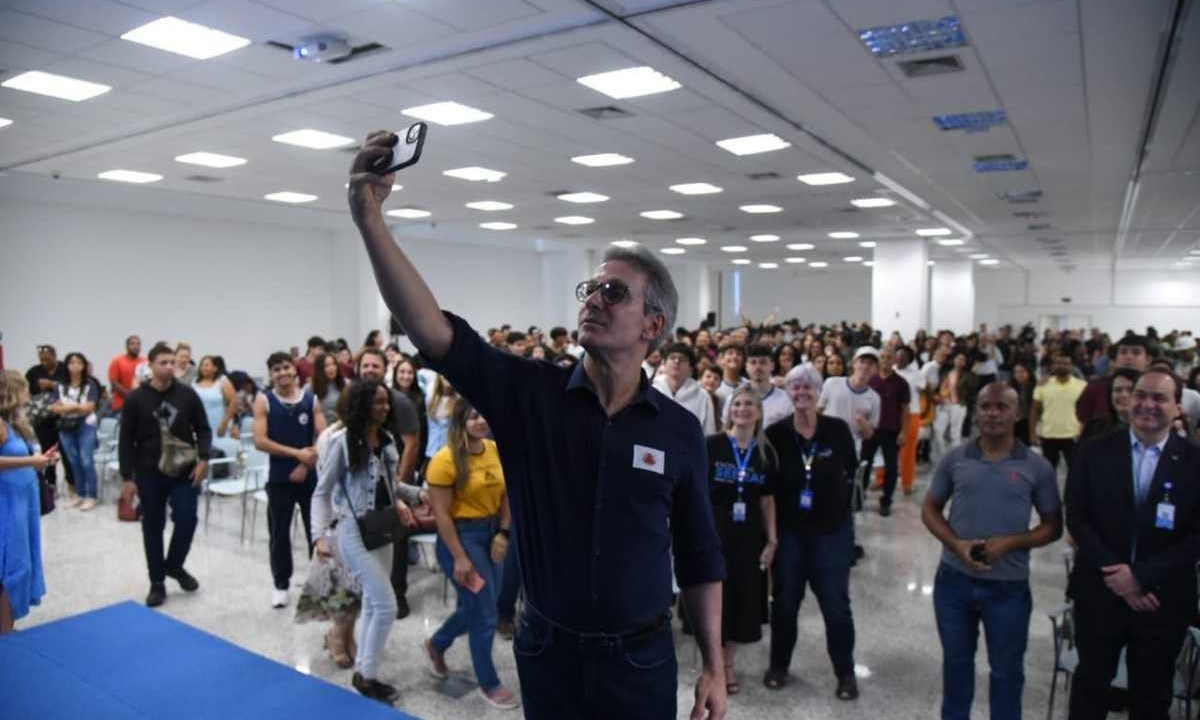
x=975, y=452
x=581, y=381
x=1137, y=445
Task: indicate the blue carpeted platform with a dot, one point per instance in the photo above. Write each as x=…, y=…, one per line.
x=126, y=661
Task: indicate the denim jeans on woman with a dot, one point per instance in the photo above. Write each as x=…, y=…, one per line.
x=475, y=614
x=372, y=568
x=823, y=563
x=79, y=447
x=961, y=602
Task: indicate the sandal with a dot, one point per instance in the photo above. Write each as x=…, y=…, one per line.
x=775, y=679
x=335, y=644
x=732, y=686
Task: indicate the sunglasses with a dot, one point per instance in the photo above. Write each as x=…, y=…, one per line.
x=612, y=292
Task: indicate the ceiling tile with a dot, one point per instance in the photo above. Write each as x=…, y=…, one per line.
x=247, y=19
x=468, y=15
x=33, y=30
x=102, y=16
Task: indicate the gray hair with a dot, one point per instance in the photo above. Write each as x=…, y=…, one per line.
x=805, y=374
x=661, y=295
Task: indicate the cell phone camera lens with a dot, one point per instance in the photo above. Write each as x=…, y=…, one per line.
x=413, y=134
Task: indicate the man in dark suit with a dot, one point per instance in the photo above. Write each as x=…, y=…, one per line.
x=1133, y=508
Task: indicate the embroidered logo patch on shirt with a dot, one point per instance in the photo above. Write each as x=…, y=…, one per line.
x=646, y=458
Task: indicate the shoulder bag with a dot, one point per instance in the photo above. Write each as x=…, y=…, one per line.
x=378, y=527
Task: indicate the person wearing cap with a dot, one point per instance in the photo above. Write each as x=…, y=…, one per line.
x=1185, y=354
x=678, y=383
x=852, y=399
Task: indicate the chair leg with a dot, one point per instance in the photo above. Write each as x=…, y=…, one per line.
x=1053, y=687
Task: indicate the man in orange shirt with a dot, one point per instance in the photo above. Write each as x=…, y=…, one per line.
x=122, y=371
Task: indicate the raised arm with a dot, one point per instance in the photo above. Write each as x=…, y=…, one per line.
x=402, y=287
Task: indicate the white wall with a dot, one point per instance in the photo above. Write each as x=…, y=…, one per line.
x=899, y=287
x=952, y=297
x=812, y=296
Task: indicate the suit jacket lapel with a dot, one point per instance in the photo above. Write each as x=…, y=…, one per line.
x=1123, y=462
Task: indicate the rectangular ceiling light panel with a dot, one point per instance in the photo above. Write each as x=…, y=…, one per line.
x=55, y=86
x=185, y=38
x=630, y=82
x=753, y=144
x=447, y=113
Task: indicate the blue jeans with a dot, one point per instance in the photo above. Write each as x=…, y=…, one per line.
x=823, y=563
x=372, y=569
x=79, y=446
x=960, y=602
x=475, y=614
x=510, y=583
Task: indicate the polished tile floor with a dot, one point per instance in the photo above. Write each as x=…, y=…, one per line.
x=91, y=560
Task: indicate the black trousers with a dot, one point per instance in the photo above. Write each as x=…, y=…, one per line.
x=1053, y=449
x=156, y=493
x=282, y=498
x=889, y=443
x=400, y=559
x=47, y=437
x=1103, y=626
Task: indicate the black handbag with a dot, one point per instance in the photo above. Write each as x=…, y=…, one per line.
x=378, y=527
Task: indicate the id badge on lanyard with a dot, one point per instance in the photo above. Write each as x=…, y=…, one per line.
x=1164, y=513
x=743, y=465
x=806, y=495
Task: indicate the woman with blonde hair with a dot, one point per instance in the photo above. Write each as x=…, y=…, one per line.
x=22, y=582
x=438, y=410
x=466, y=489
x=742, y=475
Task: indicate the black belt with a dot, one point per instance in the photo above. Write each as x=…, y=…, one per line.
x=602, y=639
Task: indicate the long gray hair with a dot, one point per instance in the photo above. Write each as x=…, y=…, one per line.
x=661, y=295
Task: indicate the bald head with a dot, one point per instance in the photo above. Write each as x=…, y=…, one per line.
x=996, y=409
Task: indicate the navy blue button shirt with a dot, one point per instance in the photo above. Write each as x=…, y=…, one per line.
x=599, y=503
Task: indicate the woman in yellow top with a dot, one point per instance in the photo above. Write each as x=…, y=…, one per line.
x=466, y=489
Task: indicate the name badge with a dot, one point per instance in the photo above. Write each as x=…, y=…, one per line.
x=739, y=512
x=647, y=458
x=806, y=498
x=1164, y=516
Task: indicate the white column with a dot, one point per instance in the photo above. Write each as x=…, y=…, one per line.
x=952, y=296
x=899, y=293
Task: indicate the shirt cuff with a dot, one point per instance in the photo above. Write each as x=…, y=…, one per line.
x=700, y=568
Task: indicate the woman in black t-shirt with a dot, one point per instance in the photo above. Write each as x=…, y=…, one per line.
x=816, y=544
x=742, y=476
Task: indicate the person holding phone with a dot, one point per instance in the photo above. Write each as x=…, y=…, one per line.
x=466, y=488
x=22, y=582
x=357, y=456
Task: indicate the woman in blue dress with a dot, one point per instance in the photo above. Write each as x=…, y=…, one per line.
x=22, y=583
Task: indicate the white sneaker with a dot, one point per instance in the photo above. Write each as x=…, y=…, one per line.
x=87, y=504
x=279, y=598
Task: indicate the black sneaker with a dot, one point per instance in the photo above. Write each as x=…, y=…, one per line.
x=157, y=595
x=374, y=689
x=885, y=510
x=847, y=688
x=402, y=610
x=185, y=579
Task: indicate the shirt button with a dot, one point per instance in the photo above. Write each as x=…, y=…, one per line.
x=597, y=553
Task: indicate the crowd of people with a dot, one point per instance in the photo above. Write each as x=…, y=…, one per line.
x=720, y=467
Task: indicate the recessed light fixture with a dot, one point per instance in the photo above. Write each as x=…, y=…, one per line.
x=447, y=113
x=629, y=82
x=768, y=265
x=661, y=215
x=760, y=209
x=583, y=197
x=843, y=235
x=212, y=160
x=867, y=244
x=868, y=263
x=951, y=242
x=930, y=263
x=700, y=188
x=691, y=241
x=130, y=176
x=498, y=226
x=315, y=139
x=1194, y=252
x=800, y=246
x=826, y=178
x=574, y=220
x=853, y=258
x=795, y=260
x=764, y=238
x=733, y=248
x=602, y=160
x=290, y=197
x=741, y=261
x=934, y=232
x=673, y=251
x=475, y=174
x=490, y=205
x=979, y=256
x=57, y=86
x=409, y=213
x=872, y=202
x=753, y=144
x=989, y=261
x=185, y=38
x=624, y=243
x=5, y=122
x=818, y=264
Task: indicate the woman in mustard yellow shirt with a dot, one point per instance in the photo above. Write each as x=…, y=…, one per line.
x=466, y=489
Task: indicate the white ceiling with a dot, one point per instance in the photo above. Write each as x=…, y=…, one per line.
x=1074, y=77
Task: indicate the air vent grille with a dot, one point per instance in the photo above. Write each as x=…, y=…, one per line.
x=1038, y=227
x=764, y=176
x=605, y=112
x=204, y=178
x=931, y=66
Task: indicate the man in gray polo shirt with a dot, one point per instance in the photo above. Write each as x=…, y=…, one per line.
x=994, y=483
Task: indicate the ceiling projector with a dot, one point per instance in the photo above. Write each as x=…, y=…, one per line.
x=322, y=48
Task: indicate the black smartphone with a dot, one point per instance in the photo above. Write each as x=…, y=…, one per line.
x=979, y=552
x=406, y=152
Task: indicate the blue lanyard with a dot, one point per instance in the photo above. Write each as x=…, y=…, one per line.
x=742, y=461
x=806, y=457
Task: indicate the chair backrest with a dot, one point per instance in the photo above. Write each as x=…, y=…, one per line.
x=107, y=428
x=1062, y=624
